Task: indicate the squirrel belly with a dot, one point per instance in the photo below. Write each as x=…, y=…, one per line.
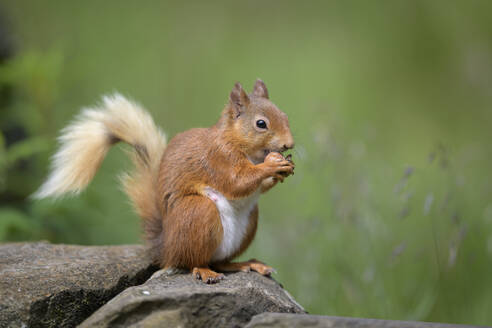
x=236, y=219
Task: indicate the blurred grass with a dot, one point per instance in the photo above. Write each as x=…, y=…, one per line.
x=389, y=214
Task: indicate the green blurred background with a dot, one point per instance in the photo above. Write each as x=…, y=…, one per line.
x=389, y=214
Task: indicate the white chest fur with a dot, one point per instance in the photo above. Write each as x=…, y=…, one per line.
x=234, y=215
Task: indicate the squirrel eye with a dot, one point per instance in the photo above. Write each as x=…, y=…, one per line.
x=261, y=124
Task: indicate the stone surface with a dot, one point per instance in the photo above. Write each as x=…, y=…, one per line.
x=285, y=320
x=179, y=300
x=45, y=285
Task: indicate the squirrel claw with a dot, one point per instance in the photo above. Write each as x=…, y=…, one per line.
x=261, y=268
x=267, y=271
x=207, y=276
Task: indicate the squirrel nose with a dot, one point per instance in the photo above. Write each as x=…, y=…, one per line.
x=289, y=145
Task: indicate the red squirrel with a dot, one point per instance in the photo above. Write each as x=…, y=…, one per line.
x=197, y=195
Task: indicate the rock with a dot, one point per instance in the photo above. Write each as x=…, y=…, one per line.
x=45, y=285
x=284, y=320
x=179, y=300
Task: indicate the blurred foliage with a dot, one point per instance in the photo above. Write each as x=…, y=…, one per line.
x=29, y=83
x=389, y=214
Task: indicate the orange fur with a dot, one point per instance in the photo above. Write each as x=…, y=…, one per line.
x=192, y=232
x=221, y=157
x=182, y=225
x=251, y=265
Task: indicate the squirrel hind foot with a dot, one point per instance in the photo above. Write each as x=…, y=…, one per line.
x=251, y=265
x=207, y=276
x=261, y=268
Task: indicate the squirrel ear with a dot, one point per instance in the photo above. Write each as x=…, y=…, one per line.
x=238, y=99
x=260, y=89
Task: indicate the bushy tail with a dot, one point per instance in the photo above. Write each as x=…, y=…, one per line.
x=85, y=142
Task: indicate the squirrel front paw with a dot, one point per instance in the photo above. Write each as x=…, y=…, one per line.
x=278, y=166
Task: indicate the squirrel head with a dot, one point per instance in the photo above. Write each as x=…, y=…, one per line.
x=257, y=126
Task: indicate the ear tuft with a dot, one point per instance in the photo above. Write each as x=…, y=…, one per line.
x=260, y=89
x=238, y=99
